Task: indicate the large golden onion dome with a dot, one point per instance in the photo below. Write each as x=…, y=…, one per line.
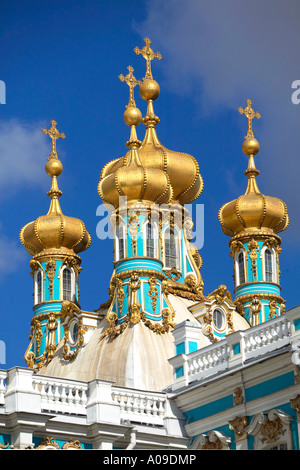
x=253, y=212
x=181, y=169
x=55, y=232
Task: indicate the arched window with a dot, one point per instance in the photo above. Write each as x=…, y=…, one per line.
x=268, y=266
x=67, y=284
x=120, y=241
x=39, y=287
x=241, y=268
x=171, y=248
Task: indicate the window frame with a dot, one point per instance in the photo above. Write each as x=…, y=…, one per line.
x=117, y=241
x=237, y=267
x=73, y=294
x=177, y=247
x=154, y=238
x=36, y=290
x=273, y=263
x=224, y=322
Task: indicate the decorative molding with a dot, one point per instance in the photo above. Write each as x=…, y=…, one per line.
x=48, y=443
x=73, y=444
x=238, y=425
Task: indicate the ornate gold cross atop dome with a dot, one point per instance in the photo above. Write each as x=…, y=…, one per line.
x=54, y=134
x=149, y=55
x=250, y=114
x=131, y=82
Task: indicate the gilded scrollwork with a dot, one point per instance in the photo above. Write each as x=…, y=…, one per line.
x=253, y=250
x=221, y=294
x=272, y=309
x=271, y=430
x=134, y=308
x=134, y=223
x=67, y=352
x=73, y=444
x=49, y=443
x=50, y=270
x=153, y=292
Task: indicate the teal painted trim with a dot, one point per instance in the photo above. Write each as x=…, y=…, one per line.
x=236, y=348
x=180, y=348
x=209, y=409
x=260, y=390
x=251, y=441
x=138, y=263
x=179, y=372
x=269, y=386
x=193, y=346
x=47, y=307
x=297, y=324
x=5, y=439
x=257, y=288
x=219, y=335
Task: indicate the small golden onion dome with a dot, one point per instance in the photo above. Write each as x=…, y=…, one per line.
x=55, y=232
x=253, y=212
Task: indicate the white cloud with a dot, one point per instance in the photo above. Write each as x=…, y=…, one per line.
x=219, y=53
x=11, y=256
x=23, y=153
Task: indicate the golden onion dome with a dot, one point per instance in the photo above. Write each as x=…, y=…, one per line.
x=55, y=232
x=181, y=169
x=253, y=212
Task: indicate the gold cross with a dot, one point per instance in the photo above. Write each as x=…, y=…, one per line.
x=149, y=55
x=131, y=82
x=250, y=114
x=54, y=135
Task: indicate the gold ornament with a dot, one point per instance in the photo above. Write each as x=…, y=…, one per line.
x=148, y=55
x=253, y=213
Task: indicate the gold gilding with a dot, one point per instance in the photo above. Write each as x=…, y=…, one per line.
x=54, y=232
x=253, y=212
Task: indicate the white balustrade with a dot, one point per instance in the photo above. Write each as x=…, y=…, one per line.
x=3, y=375
x=149, y=408
x=255, y=342
x=62, y=396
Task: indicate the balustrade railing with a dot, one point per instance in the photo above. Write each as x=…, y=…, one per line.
x=140, y=406
x=61, y=395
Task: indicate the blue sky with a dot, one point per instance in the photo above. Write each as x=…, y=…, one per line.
x=61, y=60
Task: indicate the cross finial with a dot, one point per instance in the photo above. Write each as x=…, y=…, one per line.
x=54, y=135
x=149, y=55
x=250, y=114
x=131, y=82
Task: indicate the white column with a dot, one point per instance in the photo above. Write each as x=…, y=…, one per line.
x=100, y=406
